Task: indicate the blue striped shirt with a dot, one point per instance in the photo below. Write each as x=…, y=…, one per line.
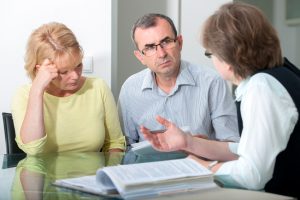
x=200, y=103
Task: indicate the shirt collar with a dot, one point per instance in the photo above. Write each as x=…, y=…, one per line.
x=184, y=78
x=240, y=90
x=148, y=82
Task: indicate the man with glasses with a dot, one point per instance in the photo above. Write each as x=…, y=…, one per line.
x=193, y=97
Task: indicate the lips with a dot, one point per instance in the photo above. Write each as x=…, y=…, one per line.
x=73, y=84
x=163, y=62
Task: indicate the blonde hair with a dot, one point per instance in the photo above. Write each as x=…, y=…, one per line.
x=50, y=41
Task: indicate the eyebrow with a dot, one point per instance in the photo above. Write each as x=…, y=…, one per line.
x=64, y=70
x=79, y=64
x=152, y=44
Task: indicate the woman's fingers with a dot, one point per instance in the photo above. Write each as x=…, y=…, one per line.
x=163, y=121
x=47, y=62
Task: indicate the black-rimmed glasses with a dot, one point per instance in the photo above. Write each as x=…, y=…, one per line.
x=167, y=43
x=208, y=54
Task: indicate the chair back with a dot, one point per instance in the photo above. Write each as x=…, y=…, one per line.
x=10, y=135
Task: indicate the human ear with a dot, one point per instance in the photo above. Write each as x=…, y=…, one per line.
x=180, y=41
x=139, y=56
x=37, y=67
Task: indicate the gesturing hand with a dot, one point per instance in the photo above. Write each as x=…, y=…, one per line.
x=172, y=139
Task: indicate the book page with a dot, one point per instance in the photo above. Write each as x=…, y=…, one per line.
x=144, y=179
x=145, y=148
x=155, y=171
x=88, y=184
x=141, y=144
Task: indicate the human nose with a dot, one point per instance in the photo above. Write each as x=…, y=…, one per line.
x=74, y=74
x=161, y=52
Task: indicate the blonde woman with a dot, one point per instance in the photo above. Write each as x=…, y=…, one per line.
x=61, y=110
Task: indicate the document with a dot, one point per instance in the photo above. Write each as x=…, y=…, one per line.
x=87, y=184
x=145, y=148
x=135, y=181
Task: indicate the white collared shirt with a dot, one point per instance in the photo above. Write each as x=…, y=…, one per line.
x=269, y=116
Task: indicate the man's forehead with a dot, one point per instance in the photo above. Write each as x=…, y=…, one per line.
x=152, y=35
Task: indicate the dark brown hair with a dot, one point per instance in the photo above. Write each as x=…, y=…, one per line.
x=150, y=20
x=240, y=35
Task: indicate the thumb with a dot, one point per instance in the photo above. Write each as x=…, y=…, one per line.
x=163, y=121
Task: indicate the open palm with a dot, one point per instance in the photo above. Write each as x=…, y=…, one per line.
x=173, y=139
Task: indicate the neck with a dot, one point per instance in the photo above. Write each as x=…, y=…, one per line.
x=237, y=80
x=166, y=83
x=58, y=92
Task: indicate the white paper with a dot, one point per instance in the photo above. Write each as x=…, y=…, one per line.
x=155, y=178
x=139, y=180
x=156, y=171
x=87, y=184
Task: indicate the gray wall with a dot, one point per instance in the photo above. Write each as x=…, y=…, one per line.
x=124, y=14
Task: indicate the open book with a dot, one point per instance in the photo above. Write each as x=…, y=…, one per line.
x=139, y=180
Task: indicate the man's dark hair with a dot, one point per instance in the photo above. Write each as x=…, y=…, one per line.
x=149, y=20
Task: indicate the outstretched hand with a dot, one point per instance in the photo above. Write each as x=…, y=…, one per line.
x=173, y=139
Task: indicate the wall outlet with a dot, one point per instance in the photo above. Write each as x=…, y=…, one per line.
x=87, y=62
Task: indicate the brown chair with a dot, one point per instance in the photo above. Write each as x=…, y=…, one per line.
x=9, y=131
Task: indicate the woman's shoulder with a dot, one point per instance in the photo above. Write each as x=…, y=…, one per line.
x=20, y=96
x=265, y=80
x=96, y=84
x=23, y=89
x=267, y=84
